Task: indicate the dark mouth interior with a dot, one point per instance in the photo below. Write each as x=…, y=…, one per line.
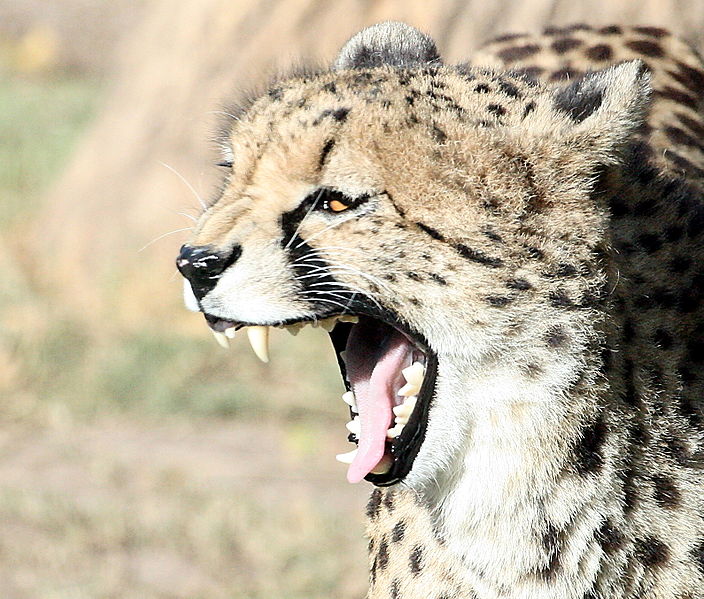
x=389, y=374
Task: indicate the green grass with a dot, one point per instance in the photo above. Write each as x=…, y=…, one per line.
x=40, y=122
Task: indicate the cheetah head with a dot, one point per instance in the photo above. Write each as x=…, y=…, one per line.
x=414, y=209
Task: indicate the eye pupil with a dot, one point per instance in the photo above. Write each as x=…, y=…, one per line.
x=337, y=206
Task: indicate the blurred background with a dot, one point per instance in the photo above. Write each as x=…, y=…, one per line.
x=138, y=458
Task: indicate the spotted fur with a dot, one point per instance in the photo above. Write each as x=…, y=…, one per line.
x=538, y=218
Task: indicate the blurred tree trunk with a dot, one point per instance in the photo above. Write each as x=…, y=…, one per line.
x=178, y=68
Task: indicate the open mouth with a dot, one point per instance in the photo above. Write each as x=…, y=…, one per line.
x=389, y=374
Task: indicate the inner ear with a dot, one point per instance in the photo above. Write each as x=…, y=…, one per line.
x=389, y=43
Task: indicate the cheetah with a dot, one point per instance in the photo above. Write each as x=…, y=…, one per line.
x=507, y=255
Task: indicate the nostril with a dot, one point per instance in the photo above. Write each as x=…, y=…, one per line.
x=202, y=265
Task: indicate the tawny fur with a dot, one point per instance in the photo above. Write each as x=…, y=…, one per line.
x=548, y=247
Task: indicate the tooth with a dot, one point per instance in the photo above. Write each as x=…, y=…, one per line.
x=230, y=333
x=348, y=318
x=259, y=340
x=409, y=389
x=346, y=458
x=406, y=408
x=349, y=399
x=384, y=465
x=355, y=426
x=414, y=374
x=329, y=323
x=343, y=356
x=222, y=340
x=394, y=432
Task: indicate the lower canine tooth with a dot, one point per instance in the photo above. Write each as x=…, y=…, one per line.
x=259, y=340
x=346, y=458
x=222, y=339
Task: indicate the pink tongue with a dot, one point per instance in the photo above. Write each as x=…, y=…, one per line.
x=374, y=395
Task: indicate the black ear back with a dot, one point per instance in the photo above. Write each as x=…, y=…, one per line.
x=389, y=43
x=585, y=96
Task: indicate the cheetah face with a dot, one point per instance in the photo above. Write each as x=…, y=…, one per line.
x=367, y=201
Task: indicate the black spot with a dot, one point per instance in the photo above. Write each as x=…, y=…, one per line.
x=698, y=555
x=509, y=89
x=478, y=256
x=394, y=590
x=389, y=501
x=414, y=276
x=646, y=47
x=577, y=100
x=663, y=297
x=662, y=339
x=382, y=555
x=556, y=337
x=516, y=53
x=498, y=301
x=650, y=242
x=507, y=37
x=691, y=78
x=552, y=541
x=588, y=451
x=438, y=279
x=415, y=560
x=327, y=148
x=676, y=95
x=535, y=252
x=374, y=504
x=398, y=532
x=330, y=87
x=680, y=264
x=496, y=109
x=630, y=490
x=651, y=552
x=438, y=134
x=415, y=301
x=599, y=52
x=560, y=299
x=482, y=88
x=337, y=114
x=610, y=30
x=618, y=207
x=609, y=537
x=565, y=44
x=519, y=284
x=656, y=32
x=690, y=299
x=629, y=331
x=530, y=107
x=493, y=236
x=665, y=492
x=276, y=94
x=693, y=125
x=529, y=74
x=680, y=136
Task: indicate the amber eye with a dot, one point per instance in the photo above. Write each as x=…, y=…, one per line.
x=332, y=200
x=337, y=206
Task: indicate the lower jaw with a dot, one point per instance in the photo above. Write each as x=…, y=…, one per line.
x=402, y=450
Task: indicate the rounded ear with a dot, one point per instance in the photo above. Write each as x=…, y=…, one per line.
x=606, y=106
x=389, y=43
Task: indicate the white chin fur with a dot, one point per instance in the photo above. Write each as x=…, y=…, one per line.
x=189, y=298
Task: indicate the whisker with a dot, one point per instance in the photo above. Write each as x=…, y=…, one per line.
x=164, y=235
x=298, y=228
x=180, y=176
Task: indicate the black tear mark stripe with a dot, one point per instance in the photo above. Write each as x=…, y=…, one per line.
x=325, y=152
x=462, y=249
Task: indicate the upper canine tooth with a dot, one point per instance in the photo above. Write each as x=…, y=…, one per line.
x=259, y=340
x=230, y=333
x=414, y=374
x=222, y=339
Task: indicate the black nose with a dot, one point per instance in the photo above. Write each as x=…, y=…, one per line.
x=203, y=265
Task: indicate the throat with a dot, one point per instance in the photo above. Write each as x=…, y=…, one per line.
x=516, y=482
